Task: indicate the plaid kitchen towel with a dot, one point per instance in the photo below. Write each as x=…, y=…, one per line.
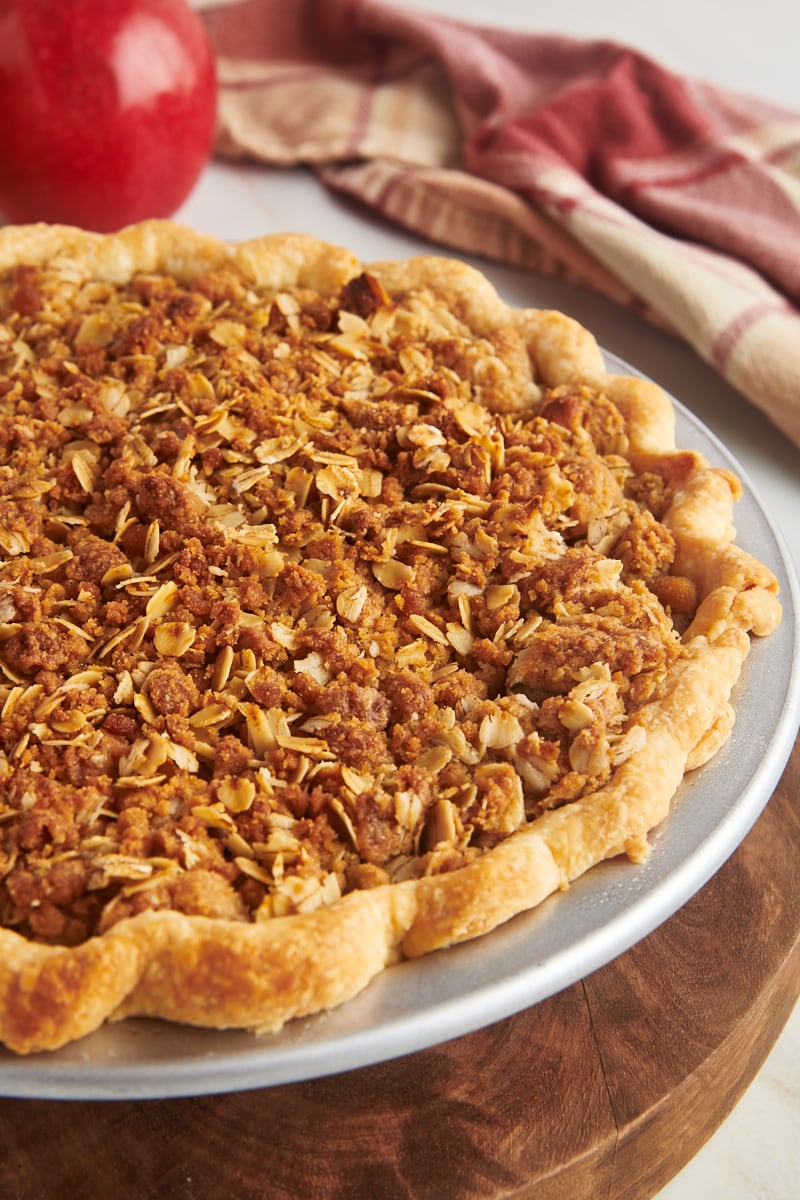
x=581, y=159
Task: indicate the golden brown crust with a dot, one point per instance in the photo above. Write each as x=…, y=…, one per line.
x=218, y=974
x=282, y=260
x=258, y=974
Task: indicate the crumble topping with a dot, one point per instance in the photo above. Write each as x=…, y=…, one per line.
x=300, y=594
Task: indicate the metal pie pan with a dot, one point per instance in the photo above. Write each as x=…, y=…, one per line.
x=418, y=1004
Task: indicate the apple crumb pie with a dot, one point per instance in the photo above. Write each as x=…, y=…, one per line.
x=345, y=613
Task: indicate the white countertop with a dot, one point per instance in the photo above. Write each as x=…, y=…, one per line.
x=755, y=1155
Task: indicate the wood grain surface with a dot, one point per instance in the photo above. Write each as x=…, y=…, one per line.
x=601, y=1093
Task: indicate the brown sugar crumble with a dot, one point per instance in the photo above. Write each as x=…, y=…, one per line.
x=299, y=594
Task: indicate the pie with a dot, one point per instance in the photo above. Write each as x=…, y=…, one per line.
x=345, y=613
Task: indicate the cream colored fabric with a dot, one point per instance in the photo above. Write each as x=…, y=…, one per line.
x=582, y=160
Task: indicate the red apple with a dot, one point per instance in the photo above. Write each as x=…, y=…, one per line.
x=108, y=109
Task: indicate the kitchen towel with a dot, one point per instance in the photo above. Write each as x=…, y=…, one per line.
x=580, y=159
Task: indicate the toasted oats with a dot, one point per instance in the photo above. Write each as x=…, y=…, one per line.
x=253, y=870
x=426, y=627
x=306, y=592
x=174, y=638
x=499, y=595
x=82, y=679
x=228, y=333
x=465, y=610
x=314, y=666
x=72, y=628
x=138, y=781
x=429, y=547
x=499, y=730
x=370, y=482
x=214, y=816
x=457, y=741
x=393, y=574
x=50, y=562
x=459, y=638
x=11, y=701
x=434, y=760
x=353, y=781
x=124, y=691
x=526, y=631
x=412, y=654
x=145, y=756
x=236, y=794
x=116, y=575
x=575, y=715
x=408, y=808
x=589, y=755
x=313, y=747
x=184, y=758
x=261, y=729
x=14, y=543
x=210, y=714
x=162, y=600
x=152, y=542
x=84, y=473
x=144, y=708
x=222, y=668
x=72, y=723
x=350, y=603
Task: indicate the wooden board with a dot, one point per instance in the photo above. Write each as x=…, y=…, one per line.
x=607, y=1089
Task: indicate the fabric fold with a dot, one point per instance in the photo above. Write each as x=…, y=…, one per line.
x=584, y=160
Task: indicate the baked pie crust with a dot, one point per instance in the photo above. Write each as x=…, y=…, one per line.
x=345, y=613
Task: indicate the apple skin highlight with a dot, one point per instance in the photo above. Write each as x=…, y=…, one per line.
x=109, y=110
